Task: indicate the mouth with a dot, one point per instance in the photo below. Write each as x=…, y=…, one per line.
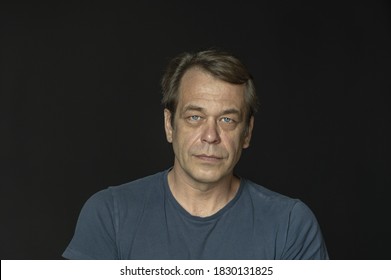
x=209, y=158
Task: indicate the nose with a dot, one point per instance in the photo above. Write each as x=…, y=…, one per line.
x=210, y=133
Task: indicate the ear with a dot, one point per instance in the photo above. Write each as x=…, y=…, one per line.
x=248, y=133
x=167, y=125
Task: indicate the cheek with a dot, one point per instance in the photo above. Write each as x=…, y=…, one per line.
x=187, y=133
x=184, y=140
x=234, y=145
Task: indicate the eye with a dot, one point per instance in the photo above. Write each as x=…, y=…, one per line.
x=227, y=120
x=194, y=118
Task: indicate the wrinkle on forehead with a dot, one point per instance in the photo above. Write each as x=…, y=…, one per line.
x=200, y=89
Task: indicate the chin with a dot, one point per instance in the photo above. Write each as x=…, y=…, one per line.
x=207, y=176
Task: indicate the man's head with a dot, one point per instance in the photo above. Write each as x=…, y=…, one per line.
x=210, y=101
x=220, y=64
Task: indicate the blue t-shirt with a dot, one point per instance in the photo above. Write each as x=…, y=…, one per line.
x=142, y=220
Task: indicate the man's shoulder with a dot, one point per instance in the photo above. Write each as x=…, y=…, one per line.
x=141, y=184
x=264, y=200
x=263, y=191
x=266, y=197
x=138, y=188
x=130, y=194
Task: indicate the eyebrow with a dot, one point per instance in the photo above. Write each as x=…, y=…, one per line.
x=191, y=107
x=231, y=111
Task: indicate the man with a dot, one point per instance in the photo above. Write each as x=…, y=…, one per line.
x=199, y=209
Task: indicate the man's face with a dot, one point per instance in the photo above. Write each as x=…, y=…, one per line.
x=209, y=130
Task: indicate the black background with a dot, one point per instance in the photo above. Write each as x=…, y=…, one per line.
x=80, y=109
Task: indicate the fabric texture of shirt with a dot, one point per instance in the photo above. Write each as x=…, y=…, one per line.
x=142, y=220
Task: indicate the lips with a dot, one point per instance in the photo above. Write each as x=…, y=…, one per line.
x=210, y=158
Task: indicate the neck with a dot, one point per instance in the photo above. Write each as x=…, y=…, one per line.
x=202, y=199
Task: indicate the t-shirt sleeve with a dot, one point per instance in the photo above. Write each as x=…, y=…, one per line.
x=95, y=234
x=304, y=238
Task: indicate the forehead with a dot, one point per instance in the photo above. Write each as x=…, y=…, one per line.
x=202, y=88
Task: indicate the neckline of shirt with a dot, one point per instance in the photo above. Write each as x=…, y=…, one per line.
x=170, y=197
